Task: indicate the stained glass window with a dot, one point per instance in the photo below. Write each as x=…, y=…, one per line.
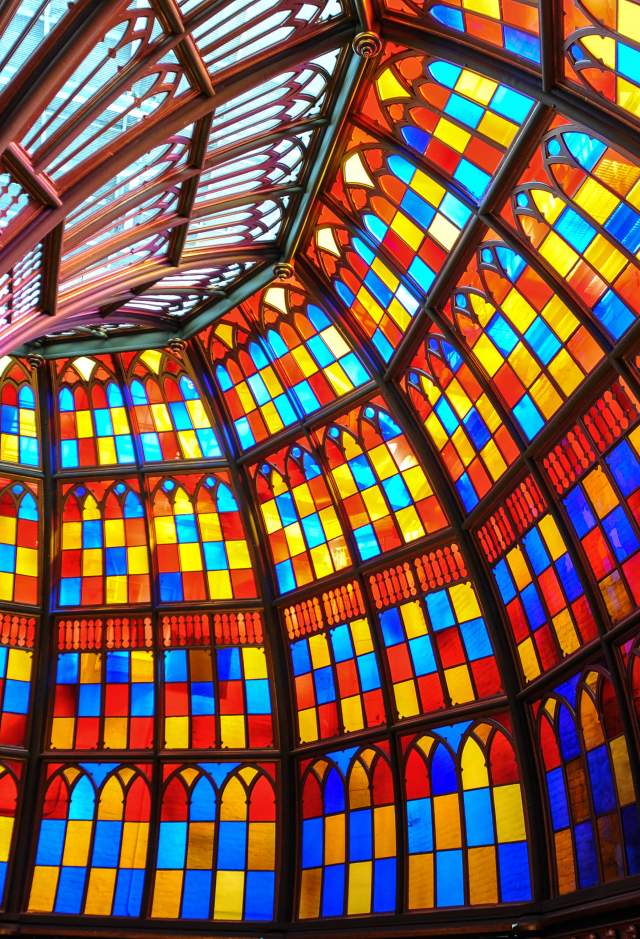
x=334, y=665
x=536, y=579
x=17, y=640
x=466, y=832
x=348, y=834
x=384, y=490
x=595, y=469
x=629, y=651
x=438, y=650
x=299, y=516
x=104, y=556
x=533, y=347
x=382, y=305
x=576, y=205
x=170, y=417
x=216, y=851
x=10, y=783
x=318, y=362
x=92, y=419
x=18, y=418
x=591, y=799
x=216, y=683
x=460, y=418
x=201, y=546
x=104, y=685
x=19, y=541
x=462, y=121
x=254, y=397
x=92, y=839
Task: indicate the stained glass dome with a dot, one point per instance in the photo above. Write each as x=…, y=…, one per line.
x=320, y=468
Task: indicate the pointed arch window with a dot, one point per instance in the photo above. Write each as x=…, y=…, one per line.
x=19, y=541
x=10, y=787
x=104, y=554
x=18, y=414
x=216, y=856
x=17, y=640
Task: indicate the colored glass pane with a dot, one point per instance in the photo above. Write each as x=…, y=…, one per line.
x=216, y=684
x=318, y=362
x=591, y=800
x=436, y=643
x=384, y=491
x=466, y=832
x=92, y=840
x=10, y=782
x=170, y=417
x=462, y=121
x=19, y=541
x=578, y=205
x=348, y=838
x=474, y=445
x=629, y=651
x=595, y=469
x=602, y=52
x=335, y=670
x=299, y=515
x=18, y=421
x=201, y=547
x=104, y=692
x=381, y=304
x=253, y=395
x=216, y=853
x=534, y=350
x=92, y=420
x=17, y=636
x=536, y=580
x=413, y=217
x=104, y=557
x=511, y=27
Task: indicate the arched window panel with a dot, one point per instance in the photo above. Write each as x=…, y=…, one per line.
x=241, y=30
x=532, y=347
x=591, y=801
x=299, y=93
x=19, y=541
x=274, y=163
x=108, y=271
x=577, y=205
x=466, y=830
x=320, y=364
x=17, y=640
x=168, y=411
x=541, y=591
x=384, y=491
x=253, y=223
x=10, y=791
x=629, y=651
x=336, y=675
x=459, y=417
x=256, y=403
x=438, y=650
x=602, y=52
x=201, y=549
x=217, y=844
x=18, y=413
x=54, y=143
x=93, y=831
x=104, y=684
x=413, y=217
x=511, y=28
x=381, y=304
x=103, y=546
x=110, y=199
x=348, y=834
x=216, y=684
x=27, y=28
x=595, y=471
x=92, y=422
x=305, y=536
x=460, y=121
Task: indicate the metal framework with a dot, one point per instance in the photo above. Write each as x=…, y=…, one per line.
x=89, y=311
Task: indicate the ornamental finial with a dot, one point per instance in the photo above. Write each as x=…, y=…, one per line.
x=367, y=44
